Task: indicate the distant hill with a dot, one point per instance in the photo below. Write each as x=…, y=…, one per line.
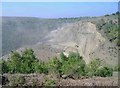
x=94, y=37
x=21, y=31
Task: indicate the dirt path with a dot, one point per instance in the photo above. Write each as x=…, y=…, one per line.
x=38, y=80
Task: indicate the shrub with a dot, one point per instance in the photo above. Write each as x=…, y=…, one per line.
x=106, y=15
x=117, y=12
x=4, y=67
x=104, y=72
x=54, y=66
x=74, y=66
x=27, y=59
x=24, y=62
x=13, y=62
x=62, y=56
x=92, y=67
x=40, y=67
x=117, y=68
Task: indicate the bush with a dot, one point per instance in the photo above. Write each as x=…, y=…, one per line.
x=117, y=68
x=13, y=62
x=40, y=67
x=92, y=67
x=24, y=62
x=74, y=66
x=54, y=66
x=62, y=56
x=27, y=59
x=106, y=15
x=4, y=67
x=104, y=72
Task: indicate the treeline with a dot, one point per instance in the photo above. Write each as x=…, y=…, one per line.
x=72, y=66
x=110, y=27
x=116, y=13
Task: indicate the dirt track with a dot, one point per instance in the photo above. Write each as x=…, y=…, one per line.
x=97, y=81
x=38, y=80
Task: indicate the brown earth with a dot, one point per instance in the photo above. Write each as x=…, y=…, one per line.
x=39, y=80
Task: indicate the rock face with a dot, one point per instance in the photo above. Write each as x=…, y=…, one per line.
x=79, y=37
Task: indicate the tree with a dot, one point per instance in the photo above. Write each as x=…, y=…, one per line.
x=28, y=54
x=4, y=66
x=27, y=59
x=117, y=12
x=13, y=62
x=40, y=67
x=21, y=62
x=54, y=66
x=74, y=66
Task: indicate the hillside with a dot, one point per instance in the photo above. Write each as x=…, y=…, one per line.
x=60, y=52
x=22, y=31
x=92, y=37
x=84, y=38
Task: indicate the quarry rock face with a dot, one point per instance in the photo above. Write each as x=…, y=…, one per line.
x=81, y=37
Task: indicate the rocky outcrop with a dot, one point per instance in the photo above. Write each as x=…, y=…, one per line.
x=81, y=37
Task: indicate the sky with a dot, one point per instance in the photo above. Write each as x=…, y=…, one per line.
x=58, y=9
x=60, y=0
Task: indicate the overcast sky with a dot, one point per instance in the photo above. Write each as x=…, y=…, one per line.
x=58, y=9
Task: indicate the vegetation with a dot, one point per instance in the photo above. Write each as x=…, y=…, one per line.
x=72, y=66
x=92, y=67
x=117, y=68
x=112, y=31
x=109, y=25
x=104, y=72
x=40, y=67
x=26, y=62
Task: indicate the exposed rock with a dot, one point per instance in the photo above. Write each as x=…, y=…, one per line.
x=82, y=37
x=79, y=37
